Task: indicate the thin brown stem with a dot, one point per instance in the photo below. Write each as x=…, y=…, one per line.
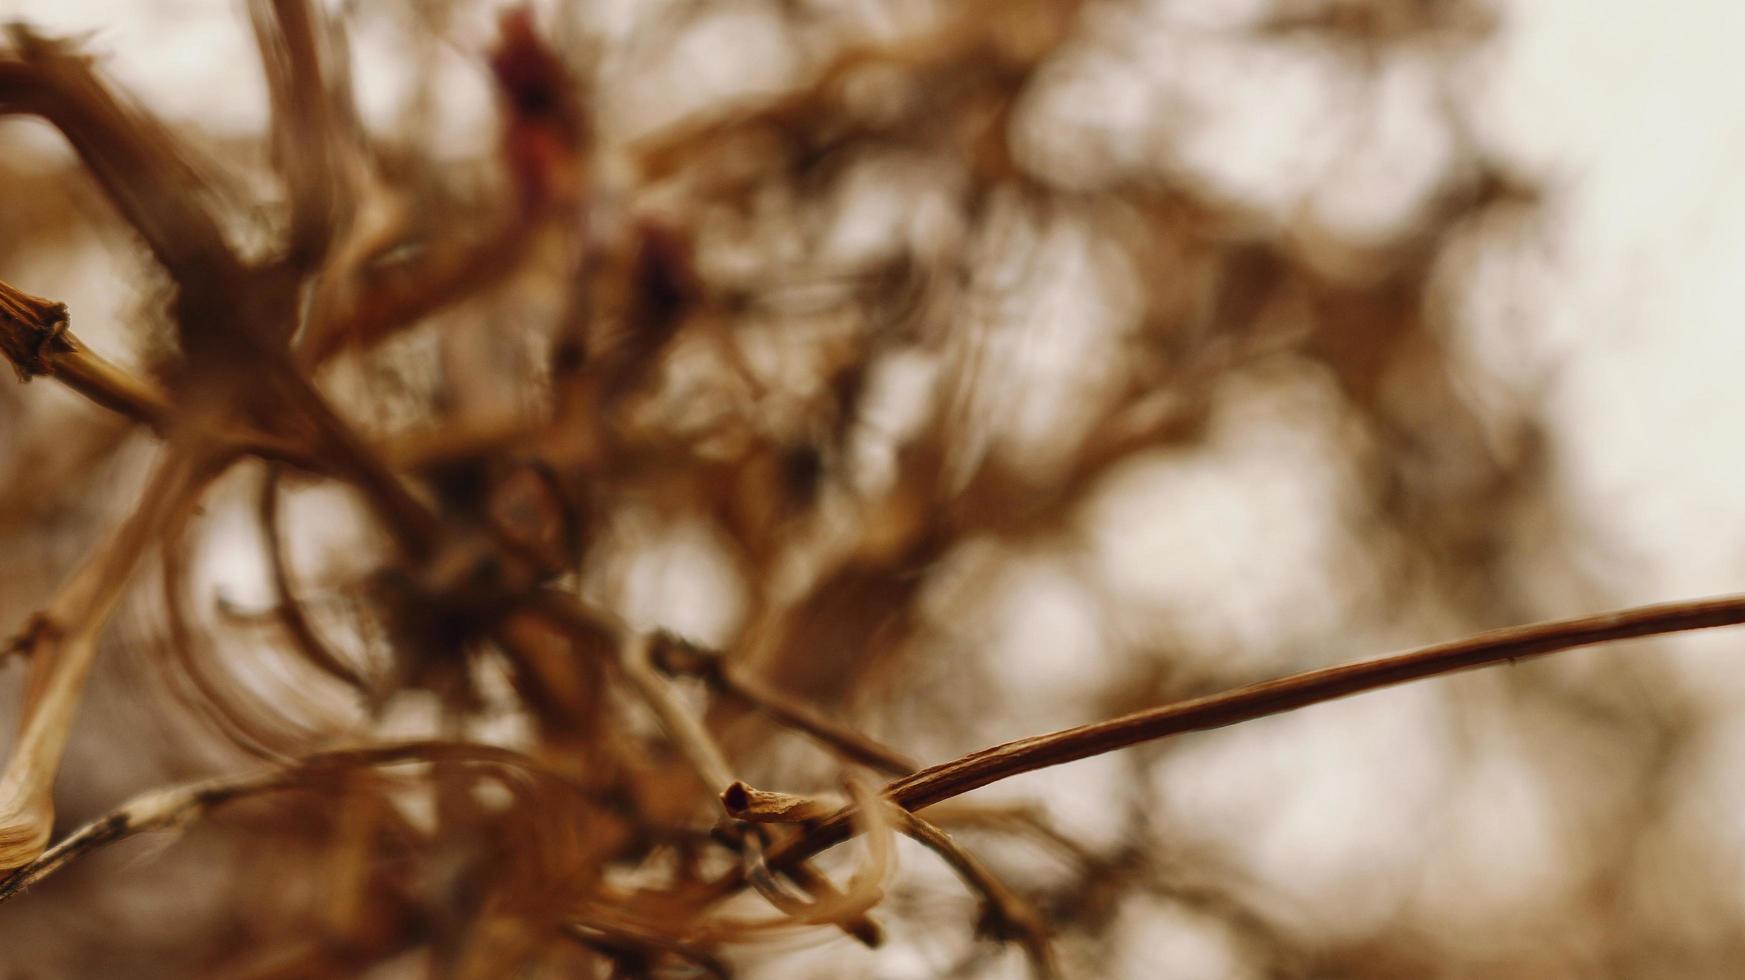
x=950, y=779
x=846, y=907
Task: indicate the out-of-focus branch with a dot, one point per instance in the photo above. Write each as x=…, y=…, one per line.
x=617, y=938
x=288, y=609
x=142, y=166
x=544, y=148
x=62, y=643
x=1004, y=914
x=442, y=271
x=161, y=808
x=414, y=525
x=687, y=733
x=307, y=140
x=675, y=656
x=1021, y=818
x=34, y=337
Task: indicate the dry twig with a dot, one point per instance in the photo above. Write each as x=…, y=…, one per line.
x=937, y=783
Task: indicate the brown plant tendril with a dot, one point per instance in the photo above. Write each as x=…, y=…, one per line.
x=946, y=780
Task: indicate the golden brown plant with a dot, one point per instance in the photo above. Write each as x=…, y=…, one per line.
x=636, y=329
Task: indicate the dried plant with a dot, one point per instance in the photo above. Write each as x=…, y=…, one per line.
x=517, y=367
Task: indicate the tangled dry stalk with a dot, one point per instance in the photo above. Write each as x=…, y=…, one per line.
x=491, y=519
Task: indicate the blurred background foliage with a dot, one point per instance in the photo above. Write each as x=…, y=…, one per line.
x=965, y=370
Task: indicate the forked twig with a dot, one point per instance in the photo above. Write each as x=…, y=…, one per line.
x=1005, y=915
x=710, y=764
x=853, y=902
